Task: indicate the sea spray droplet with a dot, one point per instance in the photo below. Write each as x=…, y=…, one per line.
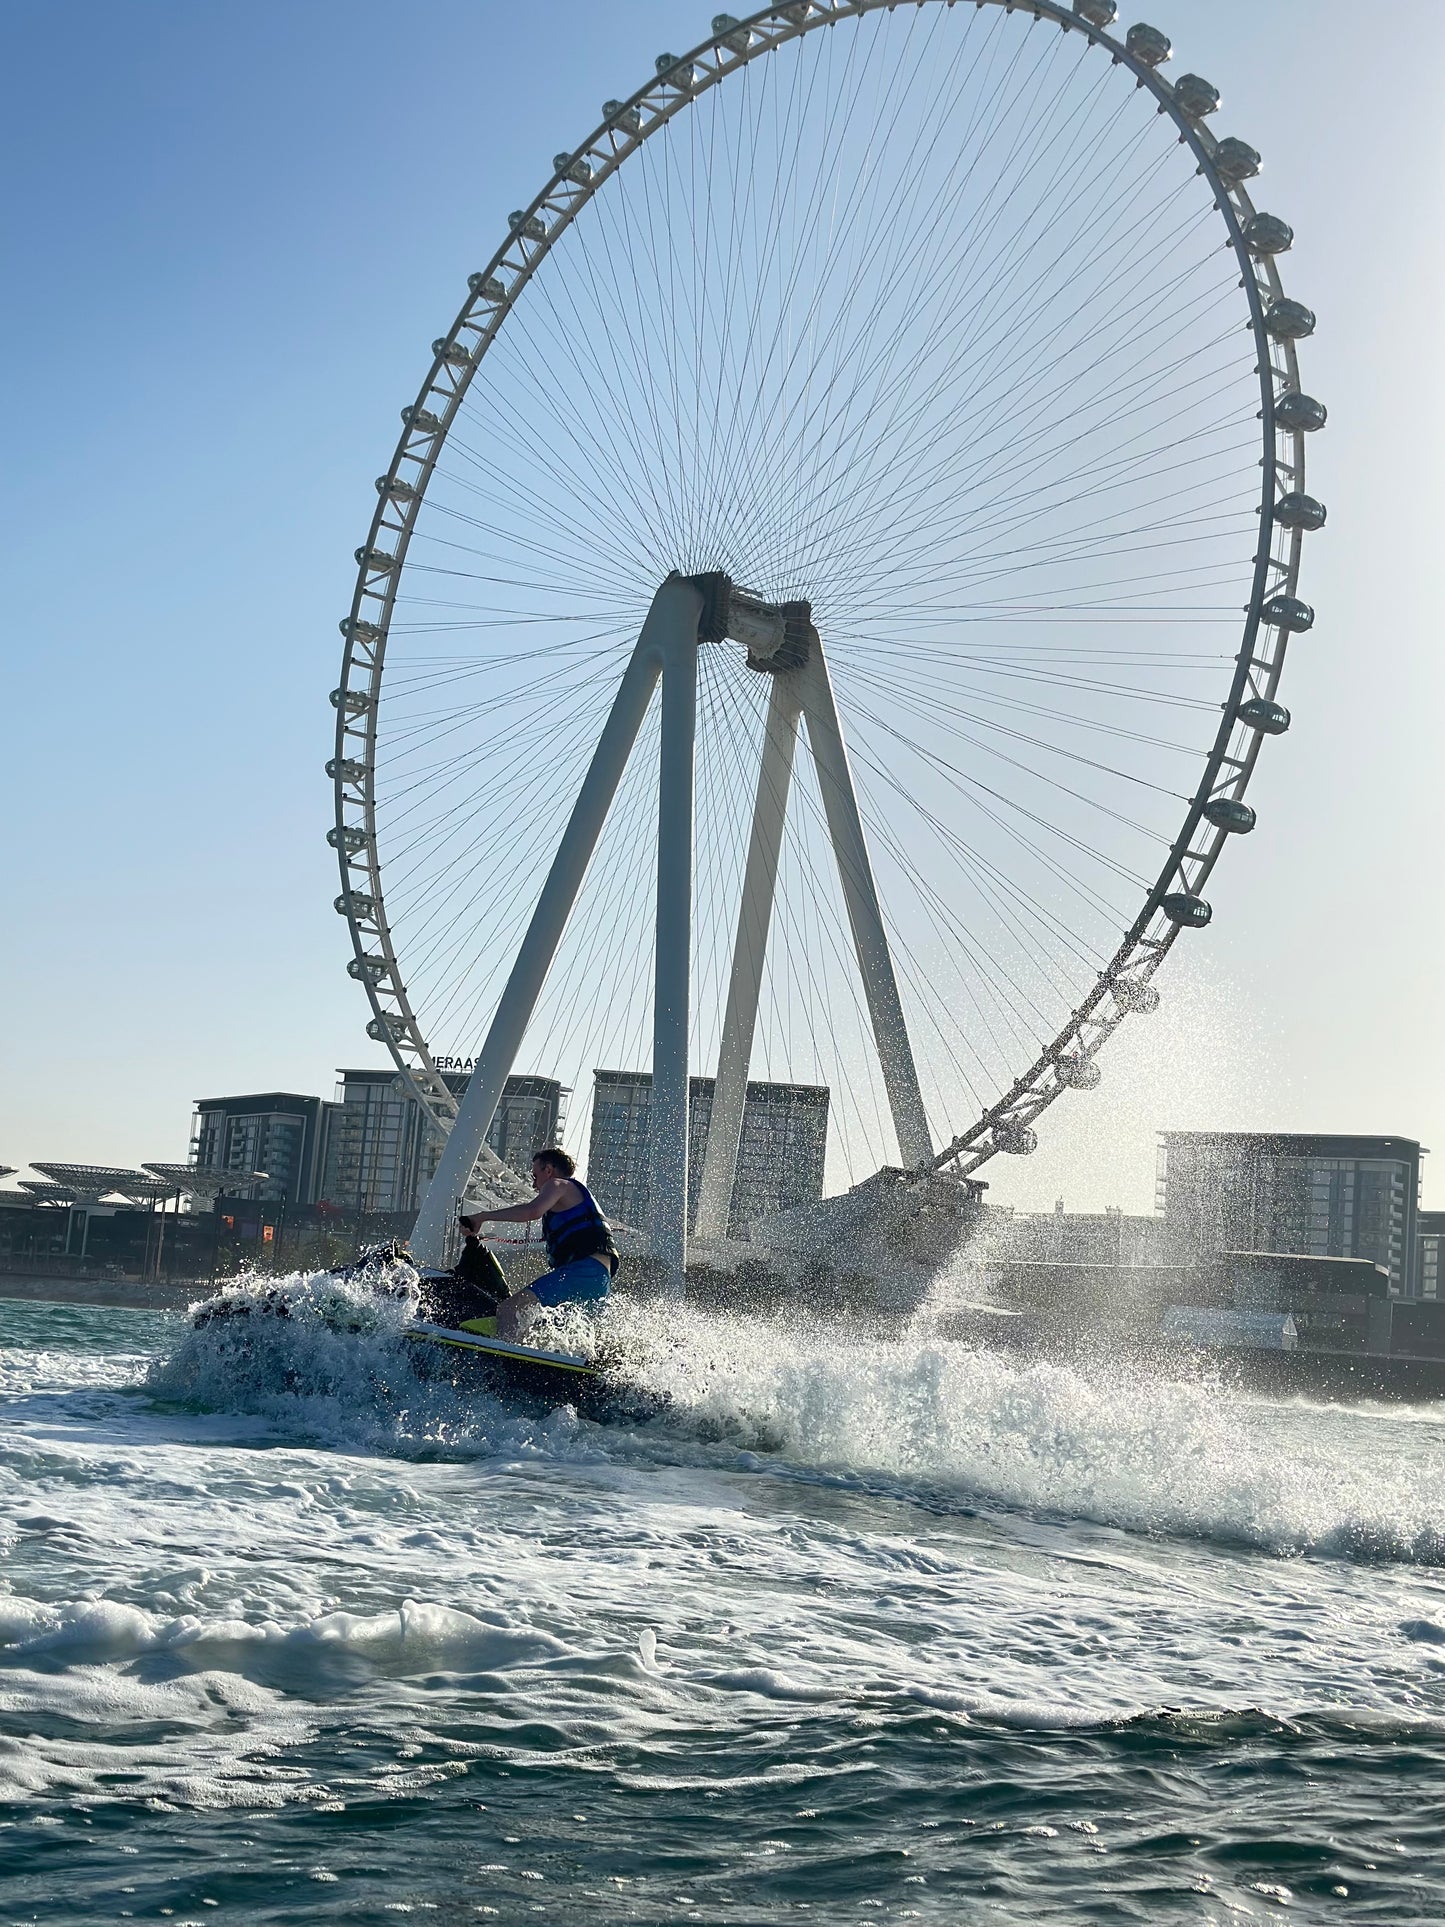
x=647, y=1647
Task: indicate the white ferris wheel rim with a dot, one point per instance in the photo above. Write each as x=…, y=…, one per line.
x=1124, y=985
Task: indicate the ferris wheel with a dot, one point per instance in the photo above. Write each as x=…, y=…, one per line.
x=915, y=384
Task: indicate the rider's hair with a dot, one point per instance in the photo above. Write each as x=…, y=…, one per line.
x=559, y=1160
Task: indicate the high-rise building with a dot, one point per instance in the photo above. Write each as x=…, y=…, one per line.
x=780, y=1156
x=381, y=1151
x=1429, y=1252
x=375, y=1138
x=531, y=1116
x=781, y=1153
x=1328, y=1197
x=277, y=1132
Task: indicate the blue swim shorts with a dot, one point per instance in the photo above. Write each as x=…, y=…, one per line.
x=581, y=1282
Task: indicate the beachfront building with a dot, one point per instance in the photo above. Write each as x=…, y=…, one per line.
x=375, y=1144
x=1108, y=1237
x=1322, y=1196
x=276, y=1132
x=381, y=1151
x=1429, y=1254
x=781, y=1154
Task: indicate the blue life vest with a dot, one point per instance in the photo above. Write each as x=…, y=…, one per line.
x=580, y=1231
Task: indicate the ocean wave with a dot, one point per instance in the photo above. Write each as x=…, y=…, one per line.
x=936, y=1420
x=1119, y=1447
x=415, y=1638
x=325, y=1359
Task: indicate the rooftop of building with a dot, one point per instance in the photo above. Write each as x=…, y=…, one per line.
x=286, y=1102
x=818, y=1093
x=519, y=1083
x=1301, y=1144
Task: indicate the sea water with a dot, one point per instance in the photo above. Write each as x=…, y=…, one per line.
x=849, y=1631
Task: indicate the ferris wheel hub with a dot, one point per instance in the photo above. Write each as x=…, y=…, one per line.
x=778, y=636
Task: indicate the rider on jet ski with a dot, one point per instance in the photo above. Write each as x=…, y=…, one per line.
x=579, y=1241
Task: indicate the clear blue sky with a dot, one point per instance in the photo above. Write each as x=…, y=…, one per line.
x=230, y=235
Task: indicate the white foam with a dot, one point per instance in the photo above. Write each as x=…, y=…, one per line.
x=199, y=1592
x=327, y=1358
x=413, y=1638
x=1120, y=1447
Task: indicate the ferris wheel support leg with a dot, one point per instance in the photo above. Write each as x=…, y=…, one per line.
x=760, y=878
x=865, y=918
x=549, y=919
x=667, y=1128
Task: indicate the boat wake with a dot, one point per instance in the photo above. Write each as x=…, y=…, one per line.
x=932, y=1421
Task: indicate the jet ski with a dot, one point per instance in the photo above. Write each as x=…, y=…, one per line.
x=436, y=1349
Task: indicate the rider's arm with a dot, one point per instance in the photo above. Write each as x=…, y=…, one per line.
x=547, y=1199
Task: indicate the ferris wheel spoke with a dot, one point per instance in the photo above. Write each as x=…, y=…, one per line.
x=1229, y=521
x=1083, y=332
x=613, y=320
x=883, y=390
x=990, y=976
x=591, y=956
x=977, y=547
x=509, y=428
x=962, y=781
x=1000, y=520
x=931, y=821
x=605, y=572
x=953, y=286
x=954, y=182
x=970, y=469
x=597, y=438
x=1045, y=935
x=451, y=829
x=781, y=473
x=435, y=672
x=960, y=733
x=1068, y=719
x=440, y=794
x=735, y=455
x=568, y=514
x=1123, y=692
x=976, y=567
x=415, y=734
x=735, y=270
x=621, y=233
x=983, y=796
x=471, y=989
x=557, y=493
x=994, y=427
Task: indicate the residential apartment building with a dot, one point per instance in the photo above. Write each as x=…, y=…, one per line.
x=531, y=1115
x=277, y=1132
x=1322, y=1196
x=371, y=1149
x=1429, y=1271
x=381, y=1150
x=376, y=1144
x=781, y=1154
